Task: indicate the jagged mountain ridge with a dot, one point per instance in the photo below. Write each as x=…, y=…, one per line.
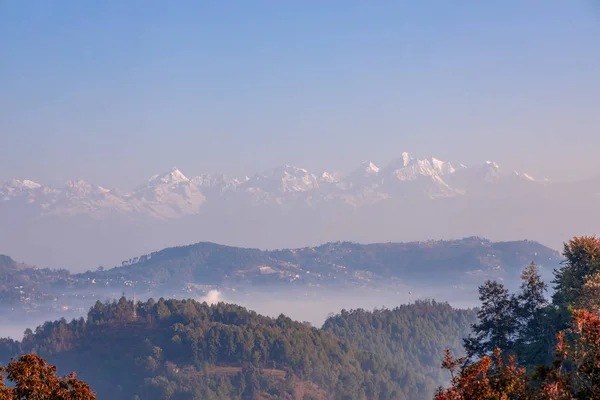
x=172, y=194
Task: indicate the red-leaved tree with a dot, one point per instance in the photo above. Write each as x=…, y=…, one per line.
x=33, y=379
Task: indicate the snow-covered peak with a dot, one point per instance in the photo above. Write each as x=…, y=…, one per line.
x=524, y=176
x=83, y=187
x=367, y=168
x=24, y=184
x=285, y=170
x=172, y=194
x=217, y=181
x=407, y=168
x=285, y=178
x=78, y=184
x=173, y=177
x=442, y=167
x=406, y=158
x=363, y=176
x=328, y=177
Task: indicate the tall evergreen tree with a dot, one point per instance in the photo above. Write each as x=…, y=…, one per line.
x=497, y=324
x=582, y=256
x=535, y=335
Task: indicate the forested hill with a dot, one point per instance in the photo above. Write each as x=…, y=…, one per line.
x=182, y=349
x=188, y=350
x=410, y=337
x=340, y=263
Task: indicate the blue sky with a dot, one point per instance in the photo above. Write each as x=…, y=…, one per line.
x=114, y=91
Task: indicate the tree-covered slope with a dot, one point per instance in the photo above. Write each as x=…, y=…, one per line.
x=410, y=337
x=188, y=350
x=341, y=263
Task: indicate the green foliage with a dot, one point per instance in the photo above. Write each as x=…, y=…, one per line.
x=582, y=256
x=409, y=338
x=535, y=335
x=560, y=340
x=524, y=324
x=497, y=323
x=190, y=350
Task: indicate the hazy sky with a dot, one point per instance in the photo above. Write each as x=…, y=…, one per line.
x=113, y=91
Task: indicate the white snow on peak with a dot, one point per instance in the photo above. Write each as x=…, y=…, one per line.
x=172, y=194
x=528, y=177
x=406, y=158
x=369, y=168
x=327, y=177
x=283, y=171
x=79, y=184
x=82, y=187
x=178, y=175
x=442, y=167
x=407, y=168
x=25, y=184
x=524, y=176
x=285, y=178
x=437, y=164
x=217, y=181
x=172, y=177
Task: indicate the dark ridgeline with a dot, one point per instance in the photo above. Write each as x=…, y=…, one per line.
x=334, y=263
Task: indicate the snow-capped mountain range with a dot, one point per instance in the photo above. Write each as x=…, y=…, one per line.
x=174, y=195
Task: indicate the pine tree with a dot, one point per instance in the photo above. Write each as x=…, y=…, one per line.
x=582, y=256
x=535, y=335
x=497, y=323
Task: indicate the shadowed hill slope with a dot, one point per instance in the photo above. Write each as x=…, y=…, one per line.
x=340, y=264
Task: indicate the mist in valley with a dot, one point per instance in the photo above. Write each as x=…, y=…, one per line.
x=311, y=305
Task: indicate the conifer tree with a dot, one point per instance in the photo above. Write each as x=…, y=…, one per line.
x=497, y=323
x=535, y=335
x=582, y=256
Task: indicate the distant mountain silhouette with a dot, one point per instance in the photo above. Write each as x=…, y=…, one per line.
x=334, y=264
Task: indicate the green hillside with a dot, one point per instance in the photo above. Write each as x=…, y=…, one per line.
x=183, y=349
x=189, y=350
x=410, y=337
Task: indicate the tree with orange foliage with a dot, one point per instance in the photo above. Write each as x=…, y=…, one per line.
x=574, y=374
x=490, y=378
x=33, y=379
x=589, y=298
x=576, y=371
